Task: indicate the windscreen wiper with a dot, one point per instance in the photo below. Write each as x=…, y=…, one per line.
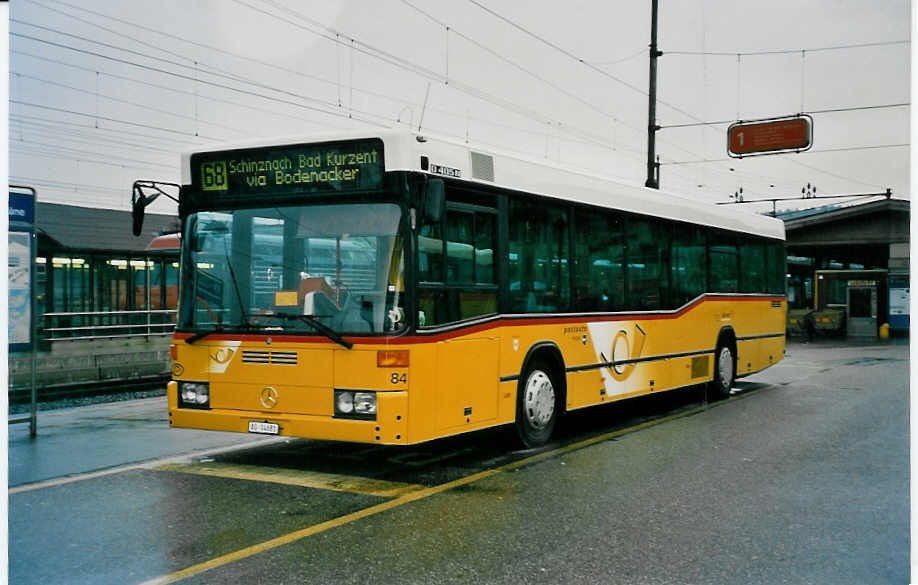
x=317, y=325
x=220, y=329
x=202, y=334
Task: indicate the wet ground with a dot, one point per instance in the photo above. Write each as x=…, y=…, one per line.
x=801, y=476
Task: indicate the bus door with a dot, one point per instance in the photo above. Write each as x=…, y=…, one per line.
x=459, y=282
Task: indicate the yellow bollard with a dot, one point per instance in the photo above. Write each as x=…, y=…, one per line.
x=884, y=331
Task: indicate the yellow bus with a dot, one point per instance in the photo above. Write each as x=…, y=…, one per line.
x=395, y=288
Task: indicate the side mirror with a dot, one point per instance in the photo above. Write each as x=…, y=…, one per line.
x=137, y=209
x=139, y=201
x=434, y=200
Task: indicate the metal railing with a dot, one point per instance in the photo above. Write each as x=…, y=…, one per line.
x=107, y=324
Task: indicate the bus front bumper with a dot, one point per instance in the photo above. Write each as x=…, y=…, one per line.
x=389, y=428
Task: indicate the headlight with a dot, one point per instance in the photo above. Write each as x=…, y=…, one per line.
x=194, y=395
x=345, y=402
x=365, y=402
x=358, y=405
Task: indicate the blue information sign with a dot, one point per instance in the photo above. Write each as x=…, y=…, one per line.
x=22, y=209
x=21, y=273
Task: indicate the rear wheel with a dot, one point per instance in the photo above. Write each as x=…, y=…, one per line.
x=724, y=371
x=537, y=404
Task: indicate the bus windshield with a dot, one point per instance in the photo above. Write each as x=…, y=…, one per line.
x=295, y=269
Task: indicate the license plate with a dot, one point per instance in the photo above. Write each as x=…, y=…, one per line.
x=263, y=428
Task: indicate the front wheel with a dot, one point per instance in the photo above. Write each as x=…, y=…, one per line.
x=536, y=405
x=724, y=371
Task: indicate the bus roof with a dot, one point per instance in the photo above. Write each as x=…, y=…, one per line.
x=410, y=151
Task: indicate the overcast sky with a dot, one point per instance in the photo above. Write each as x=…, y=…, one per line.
x=105, y=92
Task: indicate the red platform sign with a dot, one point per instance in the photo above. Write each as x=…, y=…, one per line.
x=770, y=136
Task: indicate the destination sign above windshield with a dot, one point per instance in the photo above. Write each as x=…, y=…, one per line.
x=355, y=165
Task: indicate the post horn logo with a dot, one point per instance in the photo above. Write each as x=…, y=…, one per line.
x=222, y=355
x=269, y=397
x=624, y=350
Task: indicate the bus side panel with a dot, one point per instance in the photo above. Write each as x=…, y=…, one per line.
x=467, y=389
x=747, y=356
x=585, y=388
x=771, y=351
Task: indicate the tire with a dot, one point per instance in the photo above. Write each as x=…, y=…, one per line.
x=537, y=404
x=724, y=371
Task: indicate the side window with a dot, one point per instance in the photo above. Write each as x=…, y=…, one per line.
x=430, y=253
x=460, y=247
x=648, y=259
x=598, y=255
x=485, y=246
x=775, y=264
x=456, y=263
x=724, y=268
x=752, y=267
x=538, y=263
x=688, y=269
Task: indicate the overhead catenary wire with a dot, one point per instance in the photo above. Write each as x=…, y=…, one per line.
x=593, y=141
x=130, y=103
x=335, y=83
x=580, y=60
x=116, y=120
x=95, y=130
x=615, y=119
x=566, y=128
x=87, y=136
x=81, y=141
x=638, y=53
x=174, y=89
x=224, y=86
x=191, y=78
x=64, y=184
x=562, y=128
x=817, y=151
x=331, y=35
x=516, y=65
x=788, y=51
x=823, y=111
x=299, y=73
x=78, y=151
x=63, y=155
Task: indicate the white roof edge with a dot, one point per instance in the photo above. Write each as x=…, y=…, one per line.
x=517, y=172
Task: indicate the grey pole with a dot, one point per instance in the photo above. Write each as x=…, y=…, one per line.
x=653, y=167
x=33, y=414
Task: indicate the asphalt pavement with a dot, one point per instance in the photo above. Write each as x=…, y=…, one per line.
x=801, y=477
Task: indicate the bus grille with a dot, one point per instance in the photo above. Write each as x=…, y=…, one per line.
x=252, y=356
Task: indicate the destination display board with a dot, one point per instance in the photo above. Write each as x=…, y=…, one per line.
x=354, y=165
x=770, y=136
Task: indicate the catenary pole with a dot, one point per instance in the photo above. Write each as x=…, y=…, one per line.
x=653, y=167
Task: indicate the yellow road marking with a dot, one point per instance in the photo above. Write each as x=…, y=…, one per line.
x=421, y=494
x=311, y=479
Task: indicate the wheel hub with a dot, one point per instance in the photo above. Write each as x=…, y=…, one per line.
x=725, y=367
x=539, y=400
